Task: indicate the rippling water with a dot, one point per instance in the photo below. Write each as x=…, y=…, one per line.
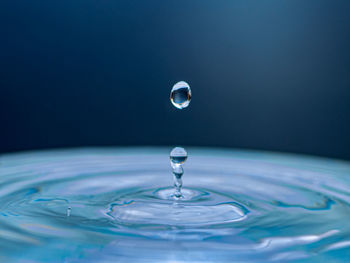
x=114, y=205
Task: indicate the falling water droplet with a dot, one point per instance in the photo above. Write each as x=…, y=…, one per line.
x=177, y=157
x=180, y=95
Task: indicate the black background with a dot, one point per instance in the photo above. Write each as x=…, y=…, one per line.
x=268, y=75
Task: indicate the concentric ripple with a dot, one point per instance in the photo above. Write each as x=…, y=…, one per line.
x=195, y=208
x=115, y=205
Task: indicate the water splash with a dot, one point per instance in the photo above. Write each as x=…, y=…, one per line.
x=180, y=97
x=178, y=156
x=255, y=207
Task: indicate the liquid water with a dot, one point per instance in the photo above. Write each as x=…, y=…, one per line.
x=180, y=95
x=178, y=157
x=116, y=205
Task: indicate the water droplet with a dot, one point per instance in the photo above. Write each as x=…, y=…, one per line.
x=69, y=209
x=178, y=155
x=180, y=95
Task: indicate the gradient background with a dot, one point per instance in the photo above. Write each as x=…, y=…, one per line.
x=268, y=75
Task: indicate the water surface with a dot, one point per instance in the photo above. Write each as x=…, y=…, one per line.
x=114, y=205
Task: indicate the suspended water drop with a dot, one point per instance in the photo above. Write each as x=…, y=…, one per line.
x=177, y=157
x=180, y=95
x=69, y=209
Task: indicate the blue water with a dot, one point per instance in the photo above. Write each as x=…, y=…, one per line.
x=115, y=205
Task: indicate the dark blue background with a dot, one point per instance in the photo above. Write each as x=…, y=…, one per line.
x=271, y=75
